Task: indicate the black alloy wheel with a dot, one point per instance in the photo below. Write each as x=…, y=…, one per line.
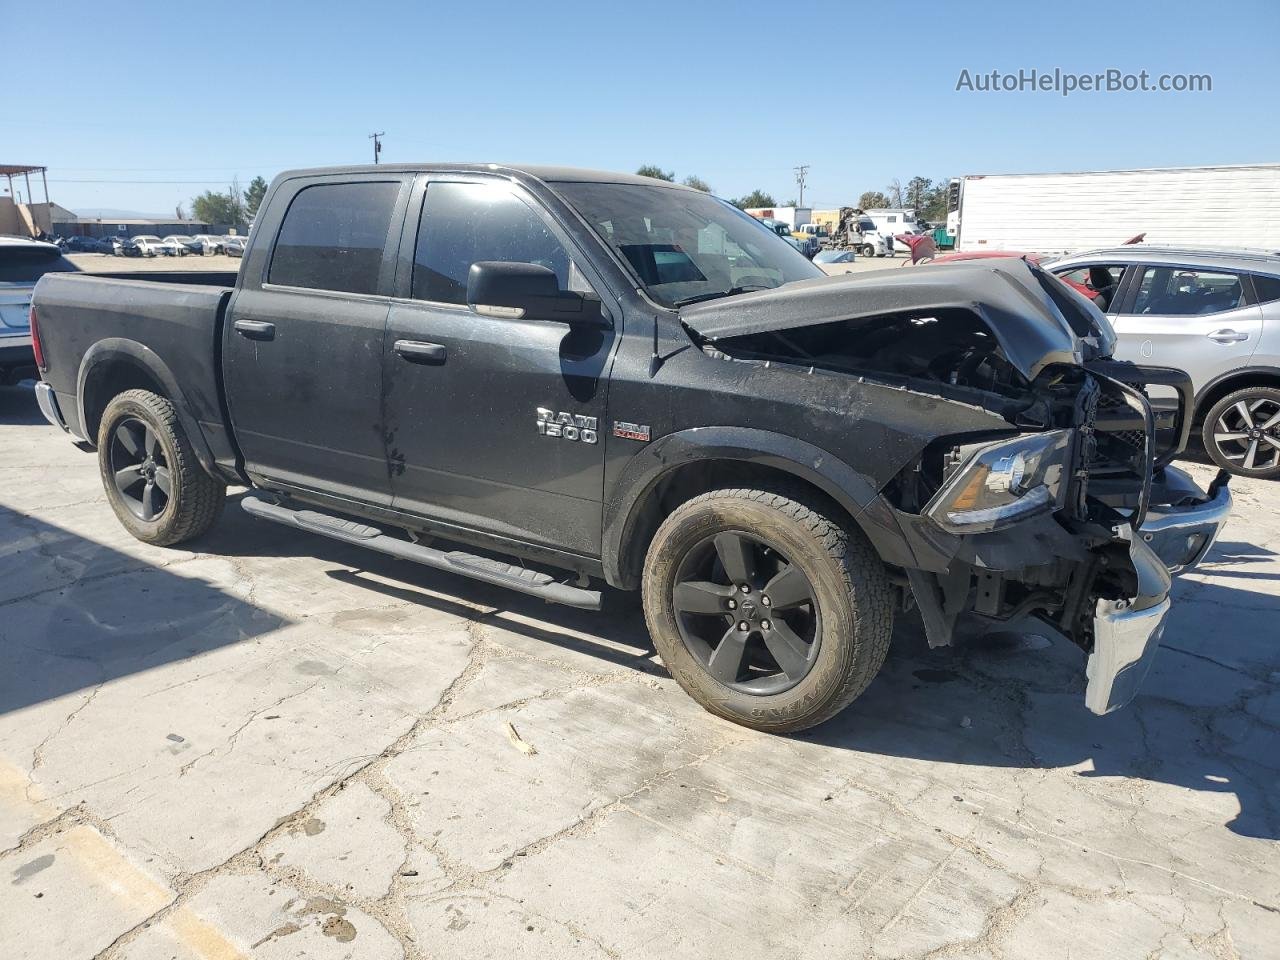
x=139, y=468
x=746, y=613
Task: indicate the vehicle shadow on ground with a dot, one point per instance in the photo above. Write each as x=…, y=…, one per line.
x=1000, y=700
x=1208, y=717
x=75, y=613
x=623, y=637
x=18, y=406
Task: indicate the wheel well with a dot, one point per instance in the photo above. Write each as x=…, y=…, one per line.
x=108, y=382
x=687, y=481
x=1257, y=378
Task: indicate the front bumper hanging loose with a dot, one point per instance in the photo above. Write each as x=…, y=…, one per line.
x=1126, y=632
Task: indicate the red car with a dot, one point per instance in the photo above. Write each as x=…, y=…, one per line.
x=1082, y=286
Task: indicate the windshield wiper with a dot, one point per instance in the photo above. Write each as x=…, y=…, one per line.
x=732, y=291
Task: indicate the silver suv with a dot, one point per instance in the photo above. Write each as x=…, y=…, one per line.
x=1214, y=314
x=23, y=261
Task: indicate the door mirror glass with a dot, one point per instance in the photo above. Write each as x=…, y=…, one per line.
x=526, y=291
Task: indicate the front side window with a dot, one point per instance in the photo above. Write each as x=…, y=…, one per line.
x=333, y=237
x=1178, y=291
x=464, y=223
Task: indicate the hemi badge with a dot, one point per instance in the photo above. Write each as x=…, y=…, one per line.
x=631, y=431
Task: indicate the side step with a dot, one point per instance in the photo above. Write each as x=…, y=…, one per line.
x=496, y=572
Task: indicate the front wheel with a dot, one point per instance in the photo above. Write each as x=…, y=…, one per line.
x=868, y=251
x=766, y=611
x=154, y=482
x=1242, y=432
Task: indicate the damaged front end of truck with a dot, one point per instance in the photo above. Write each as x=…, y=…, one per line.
x=1071, y=513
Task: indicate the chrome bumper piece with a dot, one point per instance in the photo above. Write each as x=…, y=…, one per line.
x=48, y=404
x=1181, y=536
x=1126, y=633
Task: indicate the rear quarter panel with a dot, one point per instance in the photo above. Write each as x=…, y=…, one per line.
x=88, y=325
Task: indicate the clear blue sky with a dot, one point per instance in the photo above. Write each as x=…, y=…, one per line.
x=736, y=92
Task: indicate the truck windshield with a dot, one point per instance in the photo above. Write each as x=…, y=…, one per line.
x=684, y=245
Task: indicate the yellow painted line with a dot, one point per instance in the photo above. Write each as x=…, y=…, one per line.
x=108, y=868
x=22, y=800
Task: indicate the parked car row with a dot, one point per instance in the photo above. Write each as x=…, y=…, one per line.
x=147, y=245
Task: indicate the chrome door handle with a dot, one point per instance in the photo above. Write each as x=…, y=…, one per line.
x=1227, y=336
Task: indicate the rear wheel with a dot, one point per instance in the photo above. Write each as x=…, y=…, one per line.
x=154, y=482
x=766, y=611
x=1242, y=432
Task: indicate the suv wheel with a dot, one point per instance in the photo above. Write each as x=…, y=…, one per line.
x=154, y=483
x=766, y=611
x=1242, y=432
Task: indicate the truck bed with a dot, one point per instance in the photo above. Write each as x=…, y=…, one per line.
x=167, y=333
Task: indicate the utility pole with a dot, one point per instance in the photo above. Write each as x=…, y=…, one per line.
x=377, y=144
x=802, y=172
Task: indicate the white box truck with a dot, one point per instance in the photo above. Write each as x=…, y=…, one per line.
x=1228, y=206
x=793, y=217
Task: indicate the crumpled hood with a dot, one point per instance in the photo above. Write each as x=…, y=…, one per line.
x=1036, y=319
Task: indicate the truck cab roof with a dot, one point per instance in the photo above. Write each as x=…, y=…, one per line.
x=547, y=174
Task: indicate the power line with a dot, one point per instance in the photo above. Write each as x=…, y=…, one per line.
x=377, y=144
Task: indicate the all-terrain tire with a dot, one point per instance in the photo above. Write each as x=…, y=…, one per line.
x=851, y=590
x=195, y=500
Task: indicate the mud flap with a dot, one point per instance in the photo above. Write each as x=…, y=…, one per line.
x=1126, y=633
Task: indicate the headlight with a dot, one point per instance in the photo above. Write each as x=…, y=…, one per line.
x=1004, y=481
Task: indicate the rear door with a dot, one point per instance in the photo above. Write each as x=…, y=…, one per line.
x=493, y=424
x=303, y=338
x=1203, y=321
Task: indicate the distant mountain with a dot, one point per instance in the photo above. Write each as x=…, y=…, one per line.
x=109, y=213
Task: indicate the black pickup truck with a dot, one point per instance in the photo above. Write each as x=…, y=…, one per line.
x=547, y=378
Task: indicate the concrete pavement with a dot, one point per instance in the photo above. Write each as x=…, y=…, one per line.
x=272, y=745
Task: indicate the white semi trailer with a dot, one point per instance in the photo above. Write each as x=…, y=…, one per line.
x=1229, y=206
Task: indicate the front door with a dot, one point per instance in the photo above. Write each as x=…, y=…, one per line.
x=493, y=424
x=304, y=338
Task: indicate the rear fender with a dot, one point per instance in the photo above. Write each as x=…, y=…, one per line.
x=106, y=357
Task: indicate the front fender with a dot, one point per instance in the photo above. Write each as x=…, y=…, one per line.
x=853, y=490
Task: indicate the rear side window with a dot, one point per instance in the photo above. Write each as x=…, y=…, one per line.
x=463, y=223
x=1179, y=291
x=27, y=266
x=333, y=237
x=1267, y=288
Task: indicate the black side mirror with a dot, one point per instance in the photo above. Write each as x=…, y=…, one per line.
x=525, y=291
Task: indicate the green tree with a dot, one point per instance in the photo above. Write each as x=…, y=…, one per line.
x=214, y=207
x=872, y=200
x=695, y=181
x=756, y=198
x=253, y=196
x=651, y=170
x=935, y=203
x=918, y=192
